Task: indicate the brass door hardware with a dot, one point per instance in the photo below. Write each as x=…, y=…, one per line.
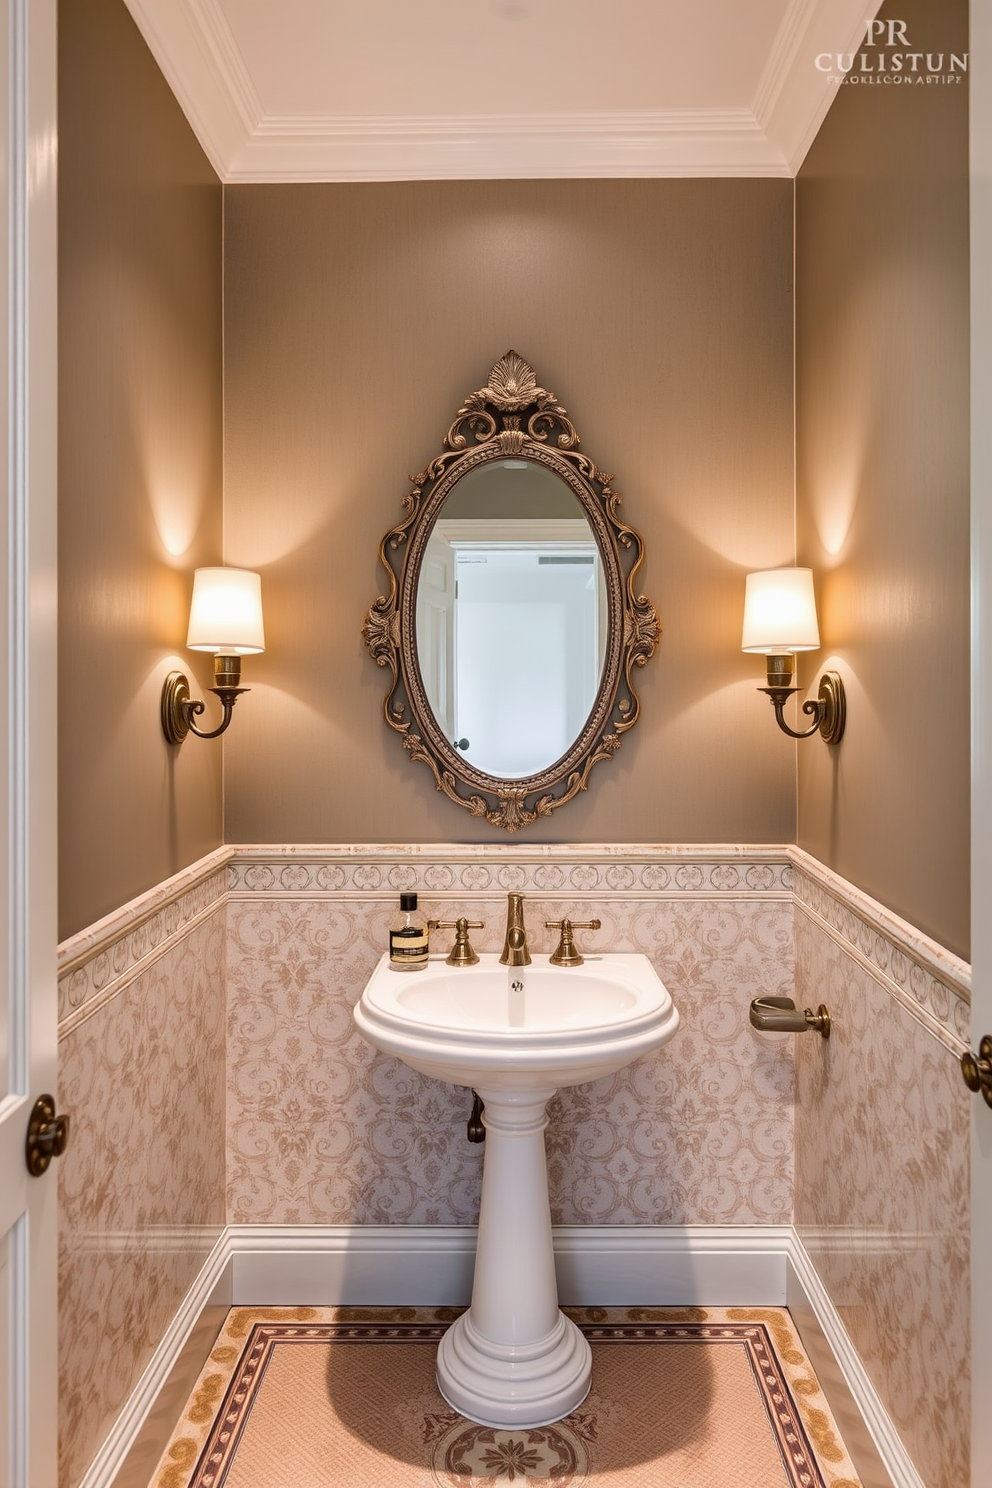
x=47, y=1136
x=978, y=1072
x=476, y=1131
x=461, y=953
x=780, y=1015
x=566, y=954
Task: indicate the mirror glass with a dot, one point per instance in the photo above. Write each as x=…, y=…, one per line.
x=511, y=618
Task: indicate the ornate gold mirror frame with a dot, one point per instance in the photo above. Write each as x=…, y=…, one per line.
x=511, y=418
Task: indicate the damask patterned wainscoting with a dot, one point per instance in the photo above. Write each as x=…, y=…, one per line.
x=322, y=1130
x=867, y=1153
x=882, y=1158
x=141, y=1185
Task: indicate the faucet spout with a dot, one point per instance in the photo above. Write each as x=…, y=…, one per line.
x=515, y=952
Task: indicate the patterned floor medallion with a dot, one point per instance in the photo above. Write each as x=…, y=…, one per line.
x=467, y=1455
x=336, y=1397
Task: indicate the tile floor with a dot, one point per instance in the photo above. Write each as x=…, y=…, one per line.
x=340, y=1397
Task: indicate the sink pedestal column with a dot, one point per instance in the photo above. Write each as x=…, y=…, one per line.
x=514, y=1359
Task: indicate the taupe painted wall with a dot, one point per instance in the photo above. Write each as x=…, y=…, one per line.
x=140, y=452
x=357, y=319
x=882, y=429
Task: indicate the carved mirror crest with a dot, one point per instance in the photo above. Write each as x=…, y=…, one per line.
x=512, y=625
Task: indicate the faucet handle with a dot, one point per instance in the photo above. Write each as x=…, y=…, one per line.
x=461, y=953
x=566, y=954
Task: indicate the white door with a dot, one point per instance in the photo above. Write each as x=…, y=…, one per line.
x=28, y=1206
x=981, y=818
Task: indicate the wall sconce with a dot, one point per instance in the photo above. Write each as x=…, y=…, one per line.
x=225, y=617
x=780, y=618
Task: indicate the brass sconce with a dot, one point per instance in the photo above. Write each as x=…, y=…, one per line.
x=225, y=617
x=779, y=619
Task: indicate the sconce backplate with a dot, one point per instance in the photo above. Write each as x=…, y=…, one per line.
x=834, y=704
x=175, y=717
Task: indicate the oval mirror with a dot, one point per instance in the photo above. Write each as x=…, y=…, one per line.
x=511, y=618
x=512, y=624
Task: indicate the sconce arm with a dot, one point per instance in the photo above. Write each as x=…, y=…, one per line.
x=828, y=710
x=179, y=709
x=780, y=696
x=192, y=708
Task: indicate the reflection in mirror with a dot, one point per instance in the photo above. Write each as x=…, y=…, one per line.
x=511, y=618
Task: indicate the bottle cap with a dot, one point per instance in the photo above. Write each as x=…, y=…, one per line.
x=408, y=901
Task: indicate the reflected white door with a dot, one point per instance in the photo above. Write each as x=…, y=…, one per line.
x=436, y=628
x=28, y=1206
x=981, y=818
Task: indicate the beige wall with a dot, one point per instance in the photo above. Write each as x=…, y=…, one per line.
x=357, y=318
x=139, y=460
x=882, y=428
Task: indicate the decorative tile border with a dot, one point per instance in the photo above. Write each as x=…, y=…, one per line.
x=103, y=959
x=933, y=983
x=461, y=869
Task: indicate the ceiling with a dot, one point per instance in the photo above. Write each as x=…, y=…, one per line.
x=321, y=90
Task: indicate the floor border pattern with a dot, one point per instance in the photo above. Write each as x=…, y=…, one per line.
x=204, y=1446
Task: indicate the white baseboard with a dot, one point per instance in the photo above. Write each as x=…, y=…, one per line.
x=351, y=1265
x=394, y=1265
x=805, y=1279
x=117, y=1444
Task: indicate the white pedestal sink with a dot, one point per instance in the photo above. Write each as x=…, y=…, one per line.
x=515, y=1035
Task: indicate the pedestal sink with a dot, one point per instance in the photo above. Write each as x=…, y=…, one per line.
x=515, y=1035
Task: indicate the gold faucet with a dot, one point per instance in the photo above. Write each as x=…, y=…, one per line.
x=515, y=952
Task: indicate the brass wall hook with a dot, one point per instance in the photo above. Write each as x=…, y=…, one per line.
x=780, y=1015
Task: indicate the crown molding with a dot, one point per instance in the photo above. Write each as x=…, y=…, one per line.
x=699, y=142
x=199, y=56
x=793, y=96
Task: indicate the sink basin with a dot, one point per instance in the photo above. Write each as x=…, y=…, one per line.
x=469, y=1026
x=515, y=1035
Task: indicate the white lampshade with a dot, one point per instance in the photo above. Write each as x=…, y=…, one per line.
x=780, y=612
x=225, y=613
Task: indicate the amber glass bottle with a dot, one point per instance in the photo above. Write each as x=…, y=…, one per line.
x=408, y=939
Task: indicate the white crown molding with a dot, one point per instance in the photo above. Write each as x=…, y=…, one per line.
x=698, y=142
x=199, y=56
x=794, y=96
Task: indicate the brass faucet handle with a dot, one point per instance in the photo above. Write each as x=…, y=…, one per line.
x=461, y=953
x=566, y=954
